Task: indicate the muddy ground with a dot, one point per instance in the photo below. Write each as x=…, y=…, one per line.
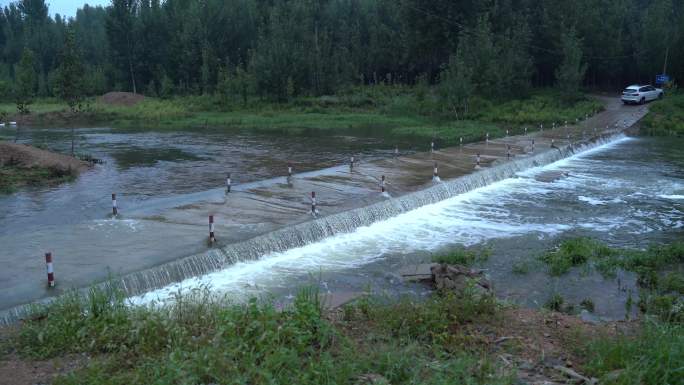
x=25, y=156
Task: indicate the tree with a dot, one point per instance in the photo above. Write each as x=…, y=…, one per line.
x=120, y=33
x=570, y=73
x=70, y=74
x=26, y=82
x=456, y=84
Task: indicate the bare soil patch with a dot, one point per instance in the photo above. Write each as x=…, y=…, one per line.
x=25, y=156
x=127, y=99
x=18, y=371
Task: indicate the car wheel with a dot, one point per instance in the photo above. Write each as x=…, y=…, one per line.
x=642, y=101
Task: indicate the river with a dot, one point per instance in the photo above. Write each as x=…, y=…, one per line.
x=629, y=192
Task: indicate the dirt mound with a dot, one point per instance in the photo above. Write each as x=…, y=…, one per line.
x=121, y=99
x=27, y=156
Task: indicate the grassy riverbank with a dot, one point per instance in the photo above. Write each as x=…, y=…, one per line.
x=14, y=177
x=666, y=117
x=465, y=338
x=22, y=165
x=394, y=110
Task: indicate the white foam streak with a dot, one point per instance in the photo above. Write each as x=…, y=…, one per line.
x=458, y=220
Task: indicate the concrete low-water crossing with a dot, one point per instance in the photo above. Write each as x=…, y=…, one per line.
x=271, y=217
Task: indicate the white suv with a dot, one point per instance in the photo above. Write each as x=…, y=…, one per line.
x=637, y=94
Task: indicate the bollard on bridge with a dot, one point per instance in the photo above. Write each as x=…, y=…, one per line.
x=212, y=237
x=313, y=203
x=50, y=271
x=115, y=210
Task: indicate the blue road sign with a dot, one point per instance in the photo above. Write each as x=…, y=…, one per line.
x=662, y=79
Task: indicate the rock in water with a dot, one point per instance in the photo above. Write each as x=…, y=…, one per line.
x=458, y=278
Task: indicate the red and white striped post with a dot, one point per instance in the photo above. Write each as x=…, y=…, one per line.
x=382, y=184
x=552, y=143
x=432, y=146
x=289, y=170
x=351, y=163
x=50, y=271
x=487, y=138
x=212, y=237
x=541, y=127
x=566, y=124
x=435, y=172
x=508, y=152
x=115, y=210
x=532, y=144
x=507, y=132
x=553, y=126
x=229, y=182
x=313, y=203
x=477, y=160
x=525, y=130
x=461, y=141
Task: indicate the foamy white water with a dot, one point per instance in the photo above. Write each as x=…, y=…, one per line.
x=583, y=199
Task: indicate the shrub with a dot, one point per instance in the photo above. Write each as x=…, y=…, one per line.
x=463, y=256
x=574, y=252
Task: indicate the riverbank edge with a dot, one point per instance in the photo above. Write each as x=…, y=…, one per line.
x=137, y=283
x=394, y=110
x=24, y=165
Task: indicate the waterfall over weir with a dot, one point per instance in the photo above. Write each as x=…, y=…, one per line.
x=326, y=226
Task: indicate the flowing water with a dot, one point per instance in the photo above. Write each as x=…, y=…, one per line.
x=150, y=171
x=629, y=192
x=147, y=167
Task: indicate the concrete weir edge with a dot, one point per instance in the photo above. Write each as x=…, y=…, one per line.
x=319, y=228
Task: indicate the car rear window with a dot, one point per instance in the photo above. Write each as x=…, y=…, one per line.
x=630, y=90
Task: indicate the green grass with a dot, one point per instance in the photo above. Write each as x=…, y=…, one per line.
x=574, y=252
x=658, y=269
x=666, y=117
x=555, y=303
x=40, y=106
x=654, y=356
x=521, y=267
x=588, y=305
x=13, y=177
x=201, y=339
x=397, y=111
x=463, y=256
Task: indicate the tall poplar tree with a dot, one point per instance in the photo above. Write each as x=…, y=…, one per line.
x=122, y=41
x=70, y=74
x=26, y=82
